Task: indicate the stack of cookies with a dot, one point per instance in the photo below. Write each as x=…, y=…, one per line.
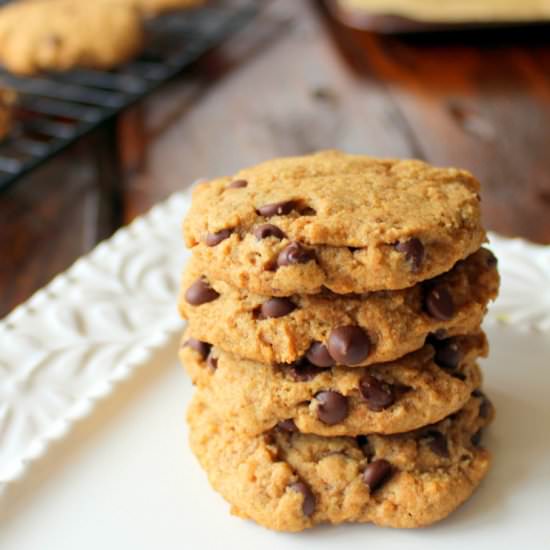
x=334, y=305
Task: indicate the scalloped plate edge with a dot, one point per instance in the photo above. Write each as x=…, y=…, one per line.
x=162, y=216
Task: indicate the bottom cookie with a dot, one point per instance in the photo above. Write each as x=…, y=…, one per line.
x=289, y=481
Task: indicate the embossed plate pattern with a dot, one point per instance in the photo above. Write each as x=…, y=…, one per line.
x=88, y=329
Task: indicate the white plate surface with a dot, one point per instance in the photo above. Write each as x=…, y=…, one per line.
x=123, y=477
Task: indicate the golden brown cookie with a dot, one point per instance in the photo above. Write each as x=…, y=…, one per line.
x=57, y=35
x=418, y=389
x=380, y=326
x=290, y=481
x=344, y=222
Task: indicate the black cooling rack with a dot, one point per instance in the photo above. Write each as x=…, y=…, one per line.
x=56, y=110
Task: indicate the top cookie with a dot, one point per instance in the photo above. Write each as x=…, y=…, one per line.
x=348, y=223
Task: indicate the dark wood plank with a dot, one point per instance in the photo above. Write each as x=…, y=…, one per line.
x=46, y=224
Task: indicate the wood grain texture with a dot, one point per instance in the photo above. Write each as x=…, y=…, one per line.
x=292, y=82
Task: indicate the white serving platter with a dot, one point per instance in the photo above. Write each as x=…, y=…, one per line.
x=93, y=443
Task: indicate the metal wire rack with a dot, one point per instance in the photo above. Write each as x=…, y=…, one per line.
x=55, y=110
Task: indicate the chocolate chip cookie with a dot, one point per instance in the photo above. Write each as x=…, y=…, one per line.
x=329, y=328
x=418, y=389
x=289, y=481
x=57, y=35
x=330, y=220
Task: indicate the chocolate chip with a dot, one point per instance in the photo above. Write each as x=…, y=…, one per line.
x=303, y=371
x=349, y=345
x=54, y=40
x=378, y=394
x=212, y=362
x=438, y=443
x=333, y=407
x=399, y=390
x=476, y=438
x=439, y=303
x=440, y=334
x=276, y=307
x=447, y=354
x=376, y=474
x=459, y=376
x=485, y=405
x=271, y=265
x=491, y=259
x=413, y=249
x=287, y=426
x=200, y=292
x=212, y=239
x=201, y=347
x=307, y=211
x=308, y=505
x=318, y=355
x=276, y=208
x=294, y=253
x=485, y=408
x=364, y=444
x=237, y=184
x=268, y=230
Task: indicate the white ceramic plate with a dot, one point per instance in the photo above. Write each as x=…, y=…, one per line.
x=122, y=475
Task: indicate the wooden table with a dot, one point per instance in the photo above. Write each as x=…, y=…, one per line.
x=294, y=82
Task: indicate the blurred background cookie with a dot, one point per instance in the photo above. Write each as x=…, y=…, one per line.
x=57, y=35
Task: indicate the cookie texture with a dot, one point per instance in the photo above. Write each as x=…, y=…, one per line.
x=283, y=330
x=419, y=389
x=290, y=481
x=347, y=223
x=57, y=35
